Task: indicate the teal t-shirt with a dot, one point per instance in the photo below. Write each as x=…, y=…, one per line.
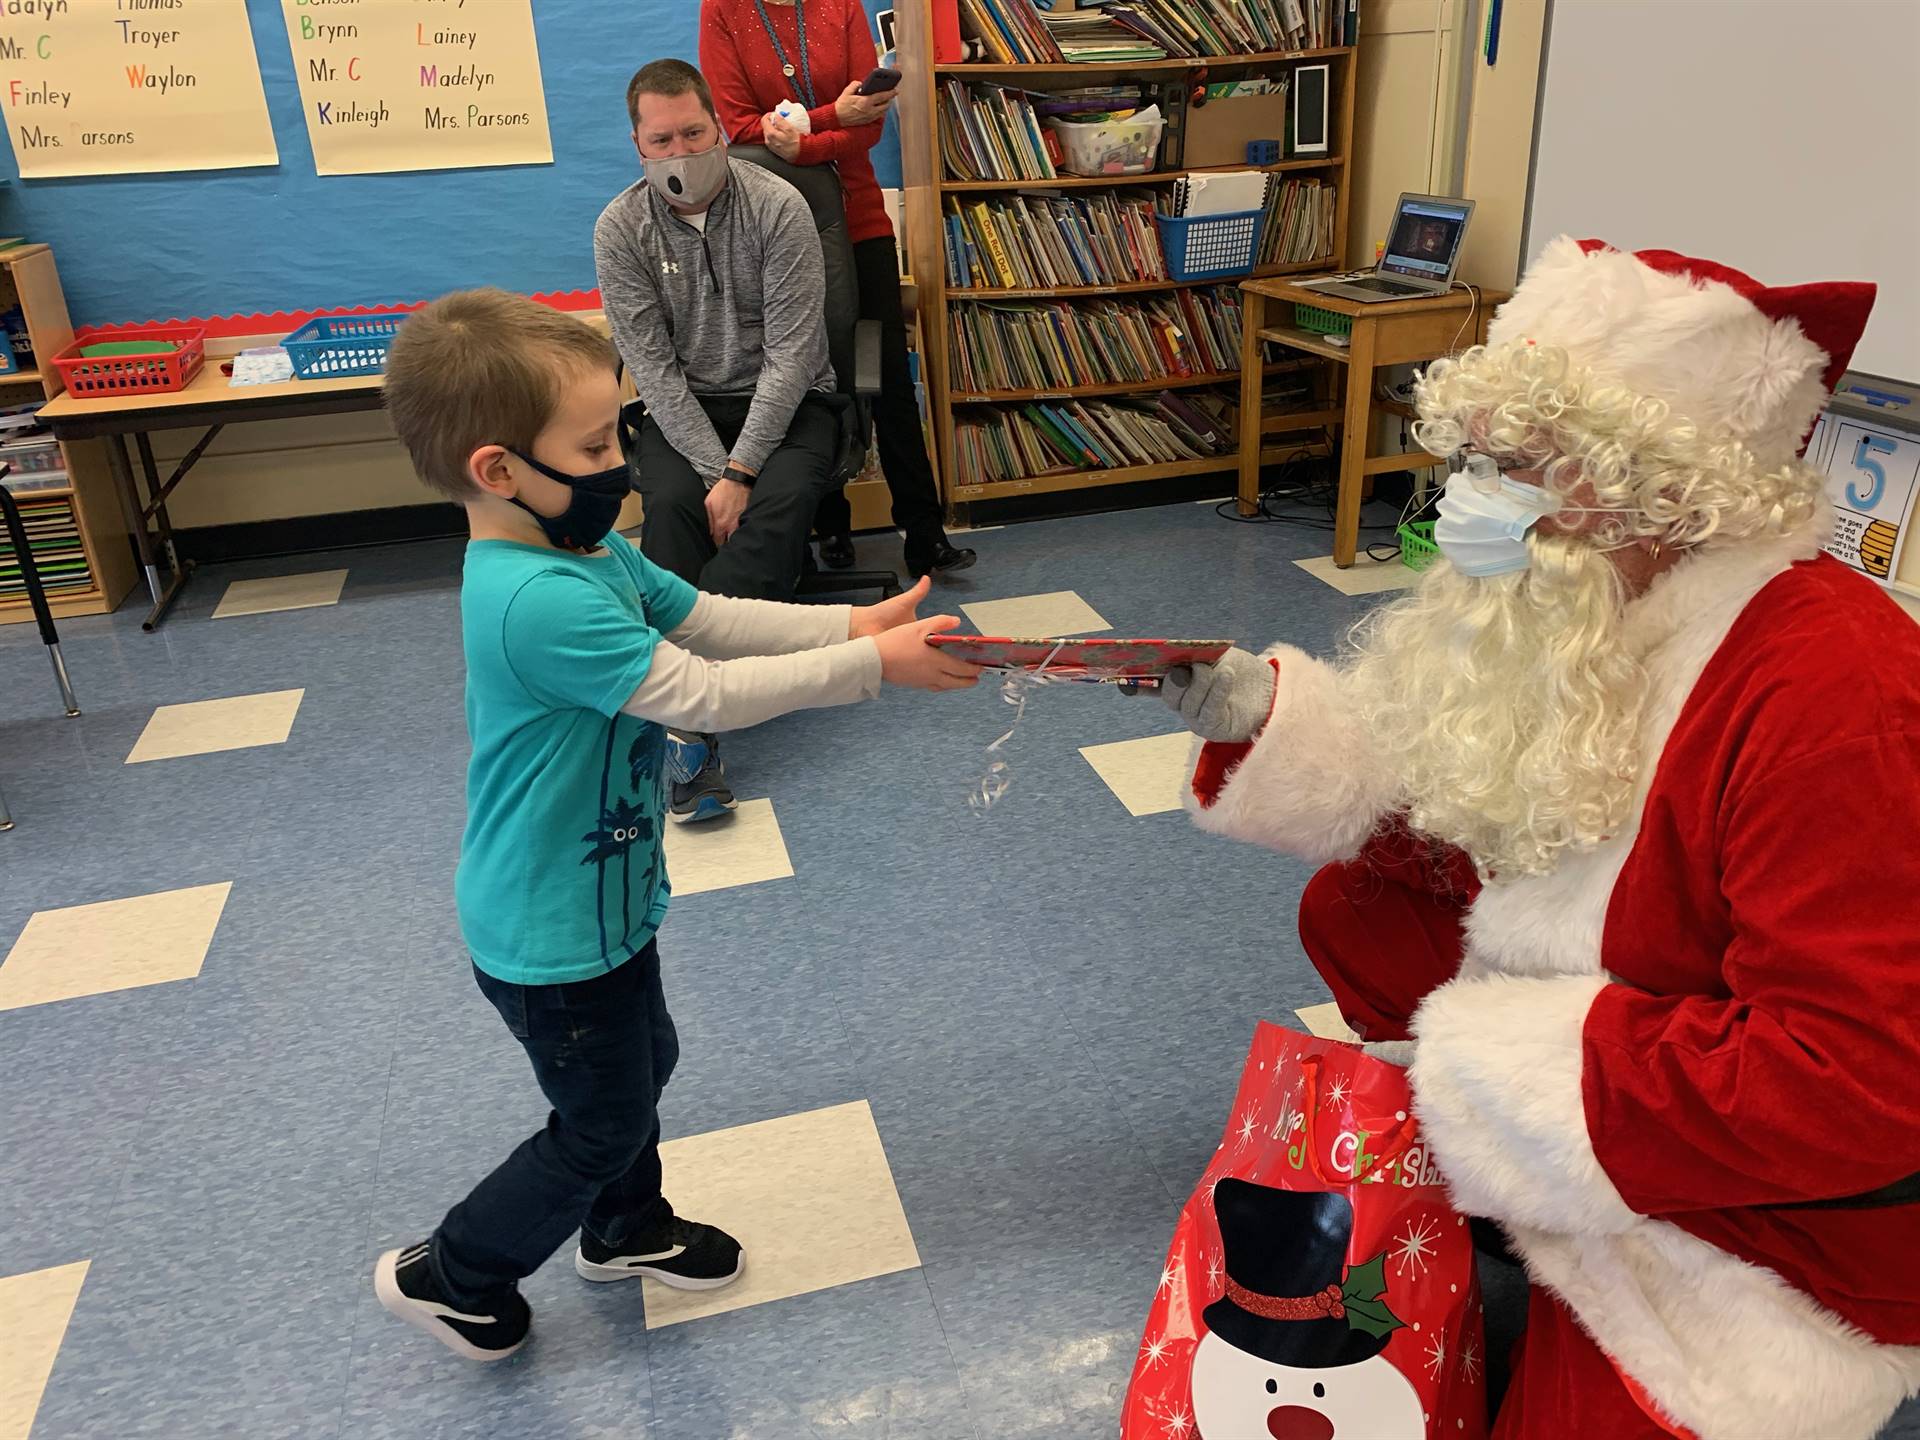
x=561, y=873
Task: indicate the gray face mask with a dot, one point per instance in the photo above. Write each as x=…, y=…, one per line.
x=688, y=181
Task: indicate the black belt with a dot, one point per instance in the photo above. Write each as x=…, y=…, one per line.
x=1900, y=1192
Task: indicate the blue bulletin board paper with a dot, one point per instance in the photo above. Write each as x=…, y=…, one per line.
x=281, y=238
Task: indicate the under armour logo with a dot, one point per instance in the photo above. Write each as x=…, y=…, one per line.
x=669, y=267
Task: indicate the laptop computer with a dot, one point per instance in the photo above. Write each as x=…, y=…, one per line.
x=1423, y=251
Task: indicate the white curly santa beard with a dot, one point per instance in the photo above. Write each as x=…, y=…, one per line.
x=1510, y=706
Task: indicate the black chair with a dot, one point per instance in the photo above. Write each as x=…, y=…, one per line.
x=853, y=345
x=37, y=597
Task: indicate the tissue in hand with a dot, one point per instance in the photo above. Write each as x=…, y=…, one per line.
x=795, y=115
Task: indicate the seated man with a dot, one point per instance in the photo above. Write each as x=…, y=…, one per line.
x=713, y=284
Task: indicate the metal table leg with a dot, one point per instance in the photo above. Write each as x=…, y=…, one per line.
x=136, y=513
x=6, y=819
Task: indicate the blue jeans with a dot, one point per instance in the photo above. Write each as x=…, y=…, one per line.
x=602, y=1050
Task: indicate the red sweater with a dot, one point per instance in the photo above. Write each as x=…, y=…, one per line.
x=744, y=73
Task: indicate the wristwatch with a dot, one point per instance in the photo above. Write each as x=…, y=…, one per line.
x=738, y=475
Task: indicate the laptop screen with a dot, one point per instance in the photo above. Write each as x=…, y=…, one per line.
x=1426, y=239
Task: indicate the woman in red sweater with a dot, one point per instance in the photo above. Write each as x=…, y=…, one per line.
x=756, y=53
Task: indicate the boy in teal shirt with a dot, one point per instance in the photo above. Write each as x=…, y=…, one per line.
x=579, y=651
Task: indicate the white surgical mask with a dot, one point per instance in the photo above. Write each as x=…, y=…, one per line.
x=688, y=181
x=1485, y=517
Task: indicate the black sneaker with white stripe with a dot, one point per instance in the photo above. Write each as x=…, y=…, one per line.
x=681, y=1253
x=404, y=1282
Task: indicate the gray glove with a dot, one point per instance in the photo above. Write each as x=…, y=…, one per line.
x=1228, y=700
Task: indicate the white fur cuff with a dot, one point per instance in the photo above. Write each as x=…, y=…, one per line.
x=1312, y=784
x=1496, y=1083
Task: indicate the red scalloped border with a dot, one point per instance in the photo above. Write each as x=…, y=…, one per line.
x=285, y=322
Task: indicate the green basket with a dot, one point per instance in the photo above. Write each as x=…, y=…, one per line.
x=1417, y=550
x=1321, y=322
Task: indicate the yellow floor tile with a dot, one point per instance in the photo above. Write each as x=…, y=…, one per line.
x=1324, y=1021
x=810, y=1197
x=745, y=849
x=1061, y=612
x=1364, y=577
x=34, y=1311
x=112, y=945
x=281, y=592
x=205, y=726
x=1150, y=776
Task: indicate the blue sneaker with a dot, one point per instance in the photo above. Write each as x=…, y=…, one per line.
x=700, y=790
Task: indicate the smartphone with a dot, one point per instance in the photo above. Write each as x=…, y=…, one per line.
x=879, y=82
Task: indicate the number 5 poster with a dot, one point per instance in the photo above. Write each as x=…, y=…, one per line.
x=1872, y=476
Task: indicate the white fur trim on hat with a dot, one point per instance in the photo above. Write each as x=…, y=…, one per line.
x=1700, y=346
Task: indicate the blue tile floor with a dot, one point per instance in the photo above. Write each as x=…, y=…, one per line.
x=1045, y=1007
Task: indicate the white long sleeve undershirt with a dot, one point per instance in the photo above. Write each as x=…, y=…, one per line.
x=735, y=663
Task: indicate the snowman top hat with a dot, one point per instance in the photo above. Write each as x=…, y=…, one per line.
x=1290, y=1299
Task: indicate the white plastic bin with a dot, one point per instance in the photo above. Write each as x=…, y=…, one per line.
x=1109, y=147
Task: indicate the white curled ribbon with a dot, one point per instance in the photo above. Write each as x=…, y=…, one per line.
x=997, y=778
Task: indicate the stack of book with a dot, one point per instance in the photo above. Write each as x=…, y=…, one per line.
x=1061, y=346
x=988, y=132
x=1035, y=242
x=1014, y=443
x=1087, y=37
x=1299, y=223
x=1186, y=28
x=1009, y=31
x=54, y=537
x=27, y=448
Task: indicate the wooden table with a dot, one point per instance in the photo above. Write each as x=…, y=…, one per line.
x=209, y=400
x=1394, y=332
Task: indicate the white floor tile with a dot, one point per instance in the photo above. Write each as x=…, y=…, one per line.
x=1061, y=612
x=34, y=1311
x=1324, y=1021
x=745, y=849
x=1149, y=776
x=1364, y=577
x=205, y=726
x=281, y=592
x=810, y=1197
x=111, y=945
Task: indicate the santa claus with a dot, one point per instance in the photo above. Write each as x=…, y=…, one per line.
x=1623, y=810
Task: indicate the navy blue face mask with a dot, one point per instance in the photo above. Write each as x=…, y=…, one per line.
x=590, y=514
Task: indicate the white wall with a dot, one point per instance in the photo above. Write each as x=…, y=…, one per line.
x=1777, y=136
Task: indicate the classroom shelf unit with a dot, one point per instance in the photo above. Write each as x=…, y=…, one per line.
x=926, y=185
x=87, y=503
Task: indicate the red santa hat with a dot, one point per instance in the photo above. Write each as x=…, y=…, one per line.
x=1737, y=358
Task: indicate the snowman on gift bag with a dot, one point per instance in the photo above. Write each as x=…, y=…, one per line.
x=1293, y=1346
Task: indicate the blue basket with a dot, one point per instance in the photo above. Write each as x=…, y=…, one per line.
x=1210, y=247
x=340, y=345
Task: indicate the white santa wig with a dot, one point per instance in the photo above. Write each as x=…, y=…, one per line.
x=1674, y=392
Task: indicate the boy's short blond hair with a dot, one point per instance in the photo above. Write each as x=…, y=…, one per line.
x=481, y=367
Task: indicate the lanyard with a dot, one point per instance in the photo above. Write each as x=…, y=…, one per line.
x=805, y=75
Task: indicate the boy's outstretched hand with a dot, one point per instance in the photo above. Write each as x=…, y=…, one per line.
x=902, y=609
x=906, y=658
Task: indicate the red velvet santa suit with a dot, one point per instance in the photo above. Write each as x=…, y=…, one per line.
x=1630, y=1061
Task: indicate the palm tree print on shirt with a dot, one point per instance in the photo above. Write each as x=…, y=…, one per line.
x=622, y=826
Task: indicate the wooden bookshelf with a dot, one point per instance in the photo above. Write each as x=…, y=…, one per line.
x=28, y=278
x=926, y=184
x=1128, y=67
x=1058, y=480
x=1130, y=387
x=1113, y=182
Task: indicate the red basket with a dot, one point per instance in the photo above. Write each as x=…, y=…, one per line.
x=133, y=374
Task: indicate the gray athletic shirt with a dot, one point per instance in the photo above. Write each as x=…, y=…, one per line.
x=736, y=310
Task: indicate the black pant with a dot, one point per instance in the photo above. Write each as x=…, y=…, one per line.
x=602, y=1050
x=762, y=560
x=896, y=415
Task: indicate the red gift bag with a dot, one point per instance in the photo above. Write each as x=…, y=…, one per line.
x=1320, y=1286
